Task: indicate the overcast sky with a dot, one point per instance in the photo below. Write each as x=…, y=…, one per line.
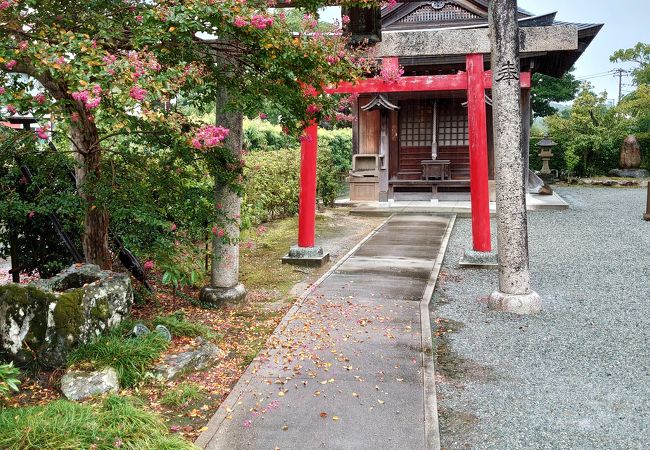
x=626, y=23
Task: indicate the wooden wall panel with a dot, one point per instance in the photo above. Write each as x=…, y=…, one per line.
x=369, y=129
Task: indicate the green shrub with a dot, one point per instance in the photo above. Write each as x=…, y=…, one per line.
x=130, y=357
x=181, y=395
x=271, y=185
x=118, y=422
x=8, y=379
x=179, y=326
x=261, y=135
x=272, y=177
x=339, y=143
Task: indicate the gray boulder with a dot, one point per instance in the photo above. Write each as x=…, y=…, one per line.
x=177, y=364
x=46, y=319
x=79, y=385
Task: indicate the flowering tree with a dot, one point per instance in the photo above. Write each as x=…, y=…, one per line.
x=100, y=69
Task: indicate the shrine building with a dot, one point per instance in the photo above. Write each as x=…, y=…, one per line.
x=427, y=134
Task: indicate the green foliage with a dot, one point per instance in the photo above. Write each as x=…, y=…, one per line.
x=181, y=395
x=179, y=326
x=8, y=379
x=131, y=357
x=547, y=89
x=271, y=185
x=262, y=135
x=25, y=207
x=589, y=136
x=109, y=76
x=636, y=106
x=118, y=422
x=639, y=54
x=272, y=177
x=339, y=143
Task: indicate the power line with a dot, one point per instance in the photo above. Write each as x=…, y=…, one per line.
x=595, y=75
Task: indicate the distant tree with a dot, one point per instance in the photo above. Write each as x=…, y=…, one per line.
x=547, y=89
x=589, y=135
x=639, y=54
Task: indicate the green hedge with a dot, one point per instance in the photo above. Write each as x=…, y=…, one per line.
x=272, y=183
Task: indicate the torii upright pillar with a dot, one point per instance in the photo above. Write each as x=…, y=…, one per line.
x=515, y=294
x=306, y=253
x=481, y=253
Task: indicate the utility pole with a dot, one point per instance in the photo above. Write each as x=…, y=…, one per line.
x=620, y=72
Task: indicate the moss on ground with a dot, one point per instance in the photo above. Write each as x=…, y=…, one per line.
x=270, y=247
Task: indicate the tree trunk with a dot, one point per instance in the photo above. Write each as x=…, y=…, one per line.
x=87, y=153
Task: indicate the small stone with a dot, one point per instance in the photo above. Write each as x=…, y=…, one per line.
x=140, y=330
x=174, y=365
x=164, y=331
x=79, y=385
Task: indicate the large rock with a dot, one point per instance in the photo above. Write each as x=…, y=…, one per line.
x=79, y=385
x=630, y=154
x=44, y=320
x=629, y=173
x=177, y=364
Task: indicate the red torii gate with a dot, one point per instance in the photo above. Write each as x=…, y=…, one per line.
x=475, y=80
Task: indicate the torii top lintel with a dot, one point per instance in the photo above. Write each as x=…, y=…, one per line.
x=465, y=41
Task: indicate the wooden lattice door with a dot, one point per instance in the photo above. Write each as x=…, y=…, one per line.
x=416, y=123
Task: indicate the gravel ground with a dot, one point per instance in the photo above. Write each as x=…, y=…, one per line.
x=577, y=376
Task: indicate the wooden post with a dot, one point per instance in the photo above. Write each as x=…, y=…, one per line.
x=13, y=254
x=478, y=155
x=306, y=253
x=646, y=216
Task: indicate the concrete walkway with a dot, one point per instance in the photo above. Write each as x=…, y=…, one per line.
x=350, y=366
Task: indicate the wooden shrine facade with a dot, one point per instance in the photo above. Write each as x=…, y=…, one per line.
x=419, y=131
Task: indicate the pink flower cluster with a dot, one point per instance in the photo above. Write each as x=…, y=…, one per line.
x=240, y=22
x=309, y=21
x=391, y=74
x=137, y=93
x=41, y=132
x=90, y=99
x=148, y=265
x=22, y=46
x=40, y=98
x=209, y=136
x=11, y=64
x=141, y=66
x=5, y=4
x=2, y=90
x=340, y=117
x=312, y=109
x=261, y=22
x=218, y=231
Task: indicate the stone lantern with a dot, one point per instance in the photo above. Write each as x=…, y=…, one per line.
x=545, y=146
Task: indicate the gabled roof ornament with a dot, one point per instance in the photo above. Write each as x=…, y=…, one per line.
x=439, y=4
x=380, y=102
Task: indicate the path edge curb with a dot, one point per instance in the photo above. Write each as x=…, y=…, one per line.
x=432, y=426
